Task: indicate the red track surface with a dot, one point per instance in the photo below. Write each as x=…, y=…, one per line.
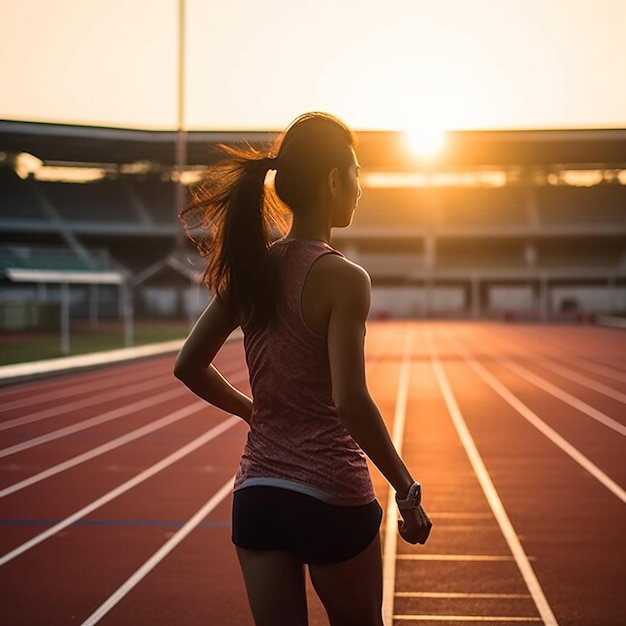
x=516, y=432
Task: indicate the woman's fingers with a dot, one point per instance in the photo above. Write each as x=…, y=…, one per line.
x=416, y=526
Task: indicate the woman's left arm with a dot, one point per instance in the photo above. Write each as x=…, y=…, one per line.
x=194, y=367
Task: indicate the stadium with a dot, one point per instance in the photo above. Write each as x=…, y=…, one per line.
x=514, y=225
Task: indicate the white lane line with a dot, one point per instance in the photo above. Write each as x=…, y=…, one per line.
x=93, y=421
x=459, y=515
x=391, y=515
x=159, y=555
x=507, y=619
x=37, y=397
x=603, y=370
x=111, y=394
x=540, y=425
x=111, y=445
x=451, y=595
x=106, y=447
x=46, y=385
x=560, y=394
x=582, y=380
x=454, y=557
x=123, y=488
x=489, y=490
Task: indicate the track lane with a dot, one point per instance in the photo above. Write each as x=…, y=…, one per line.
x=554, y=504
x=535, y=480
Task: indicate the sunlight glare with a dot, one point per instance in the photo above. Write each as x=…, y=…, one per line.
x=425, y=142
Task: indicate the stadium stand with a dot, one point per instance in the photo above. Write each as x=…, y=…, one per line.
x=100, y=201
x=599, y=205
x=503, y=223
x=17, y=201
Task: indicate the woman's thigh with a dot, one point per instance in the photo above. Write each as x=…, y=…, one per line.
x=275, y=585
x=351, y=591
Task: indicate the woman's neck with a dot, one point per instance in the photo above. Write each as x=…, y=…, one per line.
x=308, y=230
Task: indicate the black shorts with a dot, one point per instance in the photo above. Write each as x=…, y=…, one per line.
x=318, y=533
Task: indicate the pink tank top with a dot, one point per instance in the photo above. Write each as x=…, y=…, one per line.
x=296, y=439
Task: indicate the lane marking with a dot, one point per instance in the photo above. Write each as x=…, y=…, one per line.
x=160, y=554
x=540, y=425
x=454, y=557
x=451, y=595
x=458, y=515
x=106, y=447
x=465, y=618
x=68, y=390
x=45, y=385
x=97, y=381
x=113, y=523
x=391, y=514
x=603, y=370
x=60, y=409
x=93, y=421
x=489, y=490
x=581, y=379
x=124, y=487
x=561, y=394
x=114, y=443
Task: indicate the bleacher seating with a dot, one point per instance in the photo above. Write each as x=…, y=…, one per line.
x=158, y=198
x=16, y=198
x=483, y=236
x=480, y=207
x=100, y=201
x=492, y=253
x=600, y=204
x=579, y=253
x=391, y=207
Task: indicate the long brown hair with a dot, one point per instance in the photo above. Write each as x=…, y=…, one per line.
x=235, y=214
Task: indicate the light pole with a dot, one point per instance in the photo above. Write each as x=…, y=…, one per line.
x=181, y=133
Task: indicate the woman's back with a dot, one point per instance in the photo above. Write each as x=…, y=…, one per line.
x=295, y=432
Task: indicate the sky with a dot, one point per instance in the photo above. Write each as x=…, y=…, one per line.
x=257, y=64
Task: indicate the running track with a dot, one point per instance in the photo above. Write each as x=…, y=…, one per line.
x=115, y=484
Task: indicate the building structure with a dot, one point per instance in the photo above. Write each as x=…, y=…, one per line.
x=524, y=224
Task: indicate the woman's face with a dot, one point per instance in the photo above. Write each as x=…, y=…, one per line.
x=348, y=194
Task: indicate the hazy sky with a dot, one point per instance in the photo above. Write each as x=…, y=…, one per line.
x=256, y=64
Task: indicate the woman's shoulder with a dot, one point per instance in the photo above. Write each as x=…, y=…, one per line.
x=341, y=273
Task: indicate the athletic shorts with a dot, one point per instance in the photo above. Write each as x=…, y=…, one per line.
x=318, y=533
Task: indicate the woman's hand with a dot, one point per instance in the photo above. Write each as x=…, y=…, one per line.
x=415, y=525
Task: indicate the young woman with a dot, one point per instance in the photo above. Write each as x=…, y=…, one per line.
x=303, y=494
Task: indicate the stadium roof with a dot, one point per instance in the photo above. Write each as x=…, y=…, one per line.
x=378, y=150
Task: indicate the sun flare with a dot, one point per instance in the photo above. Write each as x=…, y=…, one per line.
x=425, y=142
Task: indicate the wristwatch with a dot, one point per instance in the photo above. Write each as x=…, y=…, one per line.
x=413, y=498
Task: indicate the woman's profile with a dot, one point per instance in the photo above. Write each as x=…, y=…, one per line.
x=303, y=494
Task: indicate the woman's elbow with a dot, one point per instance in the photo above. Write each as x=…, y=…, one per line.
x=183, y=369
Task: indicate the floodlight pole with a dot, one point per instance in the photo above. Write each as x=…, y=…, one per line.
x=181, y=134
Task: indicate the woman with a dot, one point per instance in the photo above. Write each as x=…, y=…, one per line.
x=303, y=494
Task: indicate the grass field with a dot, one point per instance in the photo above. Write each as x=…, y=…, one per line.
x=25, y=347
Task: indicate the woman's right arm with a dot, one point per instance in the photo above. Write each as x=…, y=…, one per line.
x=349, y=290
x=193, y=365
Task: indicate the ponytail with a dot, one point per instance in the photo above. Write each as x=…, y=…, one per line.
x=239, y=218
x=234, y=217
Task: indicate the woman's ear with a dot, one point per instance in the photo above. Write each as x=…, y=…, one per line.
x=333, y=181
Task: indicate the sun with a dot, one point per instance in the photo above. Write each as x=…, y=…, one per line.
x=425, y=142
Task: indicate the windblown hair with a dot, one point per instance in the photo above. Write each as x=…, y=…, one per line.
x=240, y=214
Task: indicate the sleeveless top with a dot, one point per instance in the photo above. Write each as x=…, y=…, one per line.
x=296, y=439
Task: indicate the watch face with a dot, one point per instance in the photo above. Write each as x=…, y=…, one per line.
x=415, y=494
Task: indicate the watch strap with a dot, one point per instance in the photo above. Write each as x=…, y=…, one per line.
x=413, y=498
